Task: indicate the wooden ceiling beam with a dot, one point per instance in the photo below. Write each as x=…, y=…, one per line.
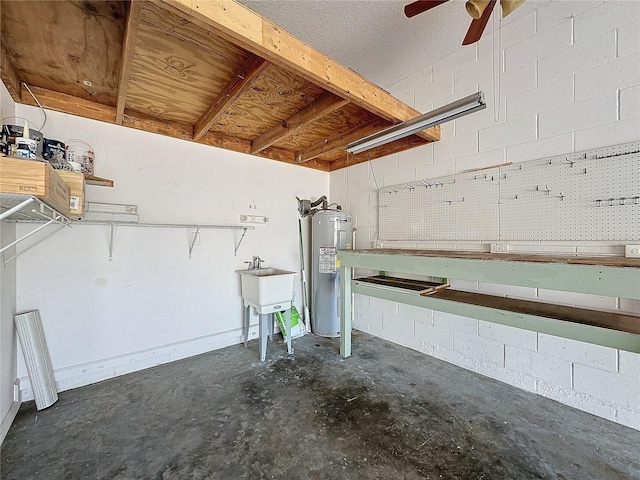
x=9, y=76
x=242, y=79
x=320, y=107
x=379, y=152
x=340, y=140
x=238, y=24
x=70, y=104
x=96, y=111
x=128, y=49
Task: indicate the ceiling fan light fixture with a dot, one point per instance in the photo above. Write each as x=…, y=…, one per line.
x=509, y=6
x=476, y=7
x=449, y=112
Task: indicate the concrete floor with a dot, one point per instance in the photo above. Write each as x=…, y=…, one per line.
x=385, y=413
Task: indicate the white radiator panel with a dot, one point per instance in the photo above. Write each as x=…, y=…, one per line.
x=36, y=355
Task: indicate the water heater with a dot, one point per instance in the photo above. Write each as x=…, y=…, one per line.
x=331, y=230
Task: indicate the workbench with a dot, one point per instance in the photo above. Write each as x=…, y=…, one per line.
x=607, y=276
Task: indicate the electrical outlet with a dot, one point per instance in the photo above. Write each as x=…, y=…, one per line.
x=253, y=219
x=499, y=248
x=632, y=251
x=16, y=391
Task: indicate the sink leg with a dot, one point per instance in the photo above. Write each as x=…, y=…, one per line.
x=247, y=319
x=288, y=326
x=271, y=323
x=263, y=337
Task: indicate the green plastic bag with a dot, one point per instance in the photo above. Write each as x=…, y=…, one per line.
x=297, y=327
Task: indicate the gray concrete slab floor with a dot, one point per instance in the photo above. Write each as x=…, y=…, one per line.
x=385, y=413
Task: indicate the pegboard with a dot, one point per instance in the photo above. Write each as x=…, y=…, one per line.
x=592, y=195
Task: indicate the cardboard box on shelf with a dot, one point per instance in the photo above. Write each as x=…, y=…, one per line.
x=31, y=177
x=77, y=187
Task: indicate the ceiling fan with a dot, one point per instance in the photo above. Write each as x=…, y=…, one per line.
x=480, y=11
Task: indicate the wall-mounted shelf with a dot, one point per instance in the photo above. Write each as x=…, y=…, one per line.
x=27, y=208
x=101, y=182
x=193, y=226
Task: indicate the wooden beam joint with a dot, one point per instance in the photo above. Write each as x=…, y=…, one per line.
x=322, y=106
x=128, y=49
x=238, y=24
x=340, y=140
x=241, y=81
x=9, y=76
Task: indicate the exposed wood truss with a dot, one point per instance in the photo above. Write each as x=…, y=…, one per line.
x=318, y=109
x=9, y=76
x=213, y=72
x=133, y=20
x=237, y=23
x=250, y=70
x=340, y=140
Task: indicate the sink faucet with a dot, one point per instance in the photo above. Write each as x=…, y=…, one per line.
x=254, y=264
x=257, y=261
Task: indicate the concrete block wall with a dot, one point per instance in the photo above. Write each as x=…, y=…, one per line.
x=599, y=380
x=569, y=81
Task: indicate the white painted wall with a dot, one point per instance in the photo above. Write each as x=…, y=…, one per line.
x=8, y=408
x=570, y=82
x=152, y=304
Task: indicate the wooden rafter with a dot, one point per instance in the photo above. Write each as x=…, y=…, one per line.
x=340, y=140
x=238, y=24
x=379, y=152
x=242, y=79
x=322, y=106
x=105, y=113
x=10, y=76
x=128, y=48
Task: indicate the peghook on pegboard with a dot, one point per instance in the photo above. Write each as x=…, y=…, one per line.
x=592, y=195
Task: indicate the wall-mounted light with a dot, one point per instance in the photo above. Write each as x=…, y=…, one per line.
x=440, y=115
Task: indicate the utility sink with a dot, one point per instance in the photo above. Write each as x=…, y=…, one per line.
x=267, y=286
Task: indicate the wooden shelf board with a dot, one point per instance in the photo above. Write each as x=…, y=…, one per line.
x=101, y=182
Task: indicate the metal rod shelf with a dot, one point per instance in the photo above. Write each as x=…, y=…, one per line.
x=17, y=207
x=192, y=243
x=163, y=225
x=29, y=209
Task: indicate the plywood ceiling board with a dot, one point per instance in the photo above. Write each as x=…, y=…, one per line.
x=274, y=96
x=60, y=45
x=171, y=79
x=199, y=38
x=238, y=24
x=239, y=83
x=319, y=108
x=97, y=111
x=9, y=76
x=340, y=120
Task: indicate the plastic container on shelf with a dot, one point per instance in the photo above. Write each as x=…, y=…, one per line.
x=54, y=152
x=13, y=128
x=80, y=156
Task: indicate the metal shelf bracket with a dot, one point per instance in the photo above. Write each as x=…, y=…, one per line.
x=193, y=242
x=15, y=209
x=196, y=227
x=111, y=229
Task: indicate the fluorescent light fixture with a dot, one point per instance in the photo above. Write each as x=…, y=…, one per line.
x=459, y=108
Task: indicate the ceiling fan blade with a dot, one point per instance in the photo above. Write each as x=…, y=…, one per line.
x=477, y=26
x=420, y=6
